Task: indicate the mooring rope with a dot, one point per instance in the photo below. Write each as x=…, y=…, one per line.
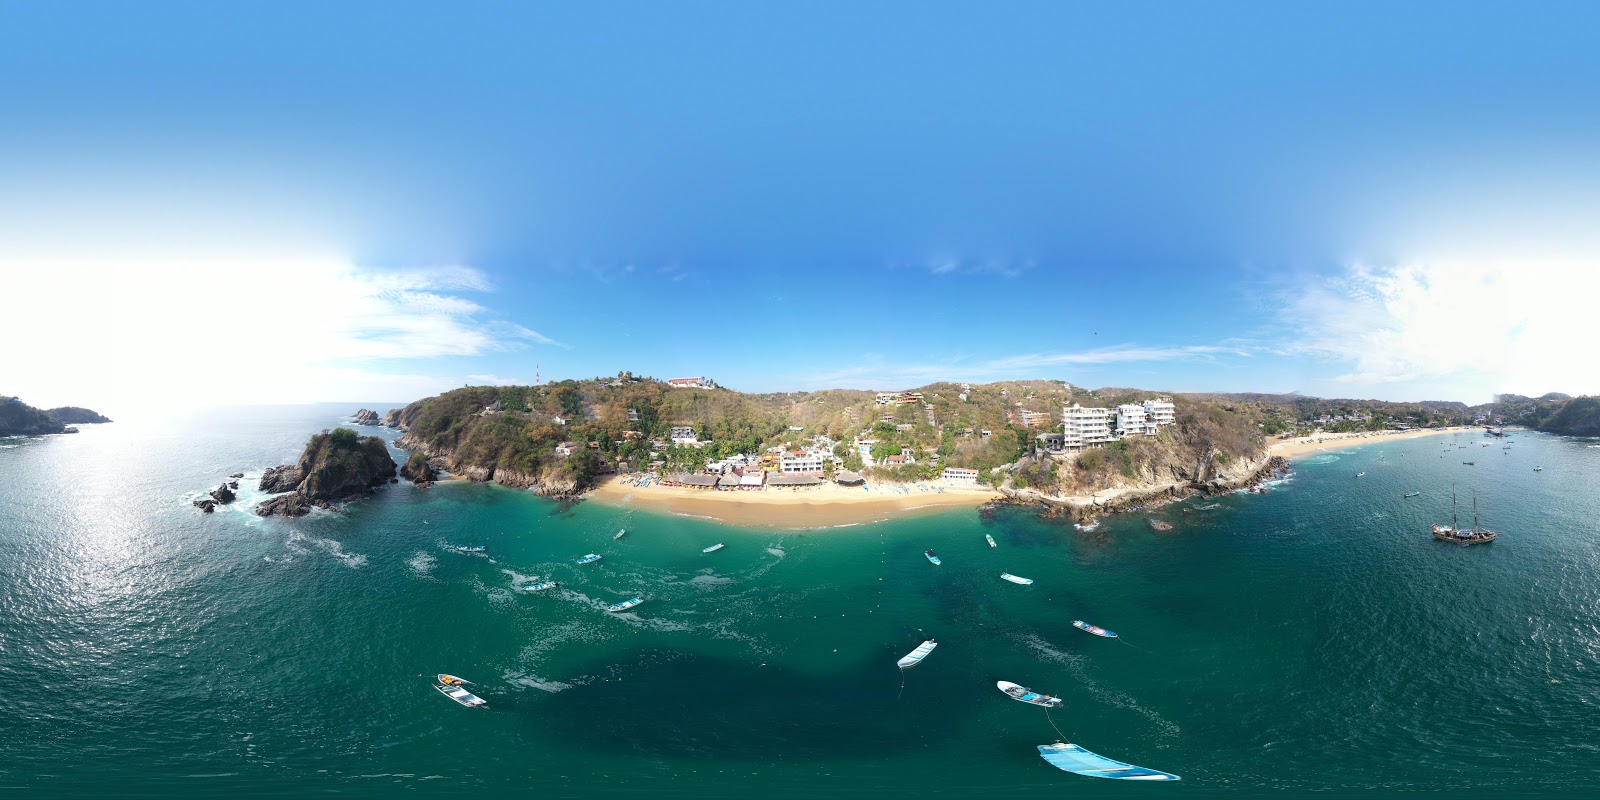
x=1053, y=724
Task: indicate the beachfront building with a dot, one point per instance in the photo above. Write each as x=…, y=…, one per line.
x=683, y=434
x=752, y=479
x=799, y=463
x=1131, y=421
x=1085, y=427
x=1160, y=412
x=959, y=475
x=848, y=478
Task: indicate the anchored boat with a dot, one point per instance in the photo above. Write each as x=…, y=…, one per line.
x=1412, y=494
x=991, y=540
x=475, y=548
x=1094, y=629
x=1075, y=759
x=713, y=548
x=932, y=557
x=1026, y=695
x=589, y=559
x=450, y=686
x=620, y=534
x=539, y=587
x=1454, y=533
x=915, y=657
x=625, y=605
x=1017, y=579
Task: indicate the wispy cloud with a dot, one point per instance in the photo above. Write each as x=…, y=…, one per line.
x=950, y=266
x=494, y=380
x=1118, y=354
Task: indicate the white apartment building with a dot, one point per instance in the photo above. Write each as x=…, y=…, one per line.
x=1082, y=427
x=959, y=475
x=801, y=463
x=1160, y=412
x=1131, y=421
x=683, y=434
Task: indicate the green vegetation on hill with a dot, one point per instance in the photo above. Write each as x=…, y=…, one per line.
x=20, y=419
x=1554, y=413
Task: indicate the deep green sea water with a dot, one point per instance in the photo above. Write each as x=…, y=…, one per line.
x=1312, y=639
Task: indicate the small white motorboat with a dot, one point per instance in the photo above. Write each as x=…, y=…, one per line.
x=589, y=559
x=991, y=540
x=1026, y=695
x=713, y=548
x=915, y=657
x=539, y=587
x=620, y=534
x=625, y=605
x=1017, y=579
x=452, y=687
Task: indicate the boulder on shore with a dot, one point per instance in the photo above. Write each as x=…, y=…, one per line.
x=335, y=466
x=419, y=471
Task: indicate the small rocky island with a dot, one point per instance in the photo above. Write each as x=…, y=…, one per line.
x=20, y=419
x=367, y=416
x=337, y=465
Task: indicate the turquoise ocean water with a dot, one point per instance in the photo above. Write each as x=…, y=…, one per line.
x=1314, y=638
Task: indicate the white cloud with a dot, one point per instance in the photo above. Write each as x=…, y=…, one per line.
x=949, y=265
x=1118, y=354
x=494, y=380
x=1482, y=326
x=194, y=330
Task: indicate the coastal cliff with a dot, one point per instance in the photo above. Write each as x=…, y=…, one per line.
x=337, y=465
x=20, y=419
x=1208, y=450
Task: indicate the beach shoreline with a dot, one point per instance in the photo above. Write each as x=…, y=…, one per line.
x=1302, y=446
x=825, y=506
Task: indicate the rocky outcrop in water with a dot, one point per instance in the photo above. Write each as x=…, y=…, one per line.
x=222, y=494
x=335, y=466
x=392, y=419
x=207, y=505
x=367, y=417
x=419, y=471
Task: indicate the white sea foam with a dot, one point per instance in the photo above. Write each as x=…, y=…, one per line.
x=711, y=581
x=422, y=563
x=329, y=546
x=777, y=551
x=531, y=681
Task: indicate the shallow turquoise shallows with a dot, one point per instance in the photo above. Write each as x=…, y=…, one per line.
x=1314, y=638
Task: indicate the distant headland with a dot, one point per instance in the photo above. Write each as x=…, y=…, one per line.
x=20, y=419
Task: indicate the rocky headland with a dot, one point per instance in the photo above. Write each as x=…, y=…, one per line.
x=338, y=465
x=20, y=419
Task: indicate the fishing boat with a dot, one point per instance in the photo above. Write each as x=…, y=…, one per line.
x=1017, y=579
x=539, y=587
x=620, y=534
x=932, y=557
x=473, y=548
x=713, y=548
x=625, y=605
x=991, y=540
x=1094, y=629
x=1075, y=759
x=1469, y=463
x=1538, y=469
x=1026, y=695
x=589, y=559
x=450, y=686
x=1454, y=533
x=1412, y=494
x=1361, y=474
x=915, y=657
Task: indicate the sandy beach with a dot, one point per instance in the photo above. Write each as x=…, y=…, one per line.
x=824, y=506
x=1301, y=446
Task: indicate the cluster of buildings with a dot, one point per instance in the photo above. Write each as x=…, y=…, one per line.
x=1090, y=427
x=697, y=382
x=899, y=398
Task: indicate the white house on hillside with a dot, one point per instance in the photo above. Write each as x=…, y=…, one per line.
x=1082, y=427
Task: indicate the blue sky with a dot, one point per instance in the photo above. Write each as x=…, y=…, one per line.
x=1347, y=199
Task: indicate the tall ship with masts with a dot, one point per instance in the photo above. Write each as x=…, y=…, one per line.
x=1455, y=533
